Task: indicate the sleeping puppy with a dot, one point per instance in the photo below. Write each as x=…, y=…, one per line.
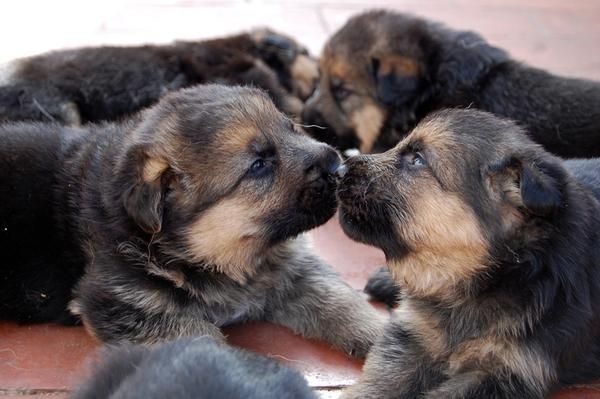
x=495, y=244
x=106, y=83
x=384, y=71
x=191, y=368
x=177, y=222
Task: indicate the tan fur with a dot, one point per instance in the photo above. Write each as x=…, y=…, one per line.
x=424, y=324
x=227, y=237
x=397, y=64
x=338, y=69
x=475, y=358
x=238, y=138
x=491, y=354
x=153, y=169
x=304, y=72
x=507, y=193
x=448, y=245
x=367, y=123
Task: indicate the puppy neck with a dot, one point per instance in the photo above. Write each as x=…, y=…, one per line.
x=444, y=277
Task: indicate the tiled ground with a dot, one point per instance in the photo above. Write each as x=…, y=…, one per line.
x=562, y=36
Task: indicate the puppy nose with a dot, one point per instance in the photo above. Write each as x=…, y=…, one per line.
x=354, y=164
x=341, y=171
x=331, y=161
x=326, y=163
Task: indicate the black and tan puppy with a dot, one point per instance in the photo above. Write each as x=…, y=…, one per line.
x=495, y=244
x=182, y=220
x=191, y=368
x=384, y=71
x=106, y=83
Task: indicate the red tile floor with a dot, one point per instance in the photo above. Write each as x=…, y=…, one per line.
x=561, y=36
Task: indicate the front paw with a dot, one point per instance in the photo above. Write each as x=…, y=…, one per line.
x=382, y=287
x=365, y=336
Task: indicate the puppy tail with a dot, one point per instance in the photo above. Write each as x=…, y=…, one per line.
x=382, y=287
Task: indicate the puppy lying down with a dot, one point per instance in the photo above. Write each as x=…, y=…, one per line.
x=384, y=71
x=191, y=368
x=182, y=220
x=95, y=84
x=495, y=245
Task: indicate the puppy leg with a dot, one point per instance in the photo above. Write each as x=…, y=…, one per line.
x=152, y=329
x=320, y=305
x=382, y=287
x=115, y=320
x=397, y=367
x=478, y=384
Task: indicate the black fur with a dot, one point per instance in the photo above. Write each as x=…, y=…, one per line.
x=191, y=368
x=455, y=69
x=108, y=83
x=42, y=257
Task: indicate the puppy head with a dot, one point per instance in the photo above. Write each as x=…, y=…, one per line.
x=296, y=69
x=462, y=193
x=372, y=64
x=219, y=177
x=384, y=71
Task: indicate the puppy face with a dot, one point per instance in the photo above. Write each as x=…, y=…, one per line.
x=463, y=191
x=222, y=177
x=373, y=63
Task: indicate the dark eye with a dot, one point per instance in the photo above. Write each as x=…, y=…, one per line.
x=341, y=93
x=258, y=165
x=259, y=168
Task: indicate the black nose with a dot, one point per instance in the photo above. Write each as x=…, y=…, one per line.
x=326, y=162
x=357, y=165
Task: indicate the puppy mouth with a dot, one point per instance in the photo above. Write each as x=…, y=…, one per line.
x=353, y=210
x=366, y=218
x=315, y=205
x=318, y=199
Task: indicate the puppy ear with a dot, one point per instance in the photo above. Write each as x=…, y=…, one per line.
x=396, y=78
x=535, y=186
x=465, y=58
x=144, y=188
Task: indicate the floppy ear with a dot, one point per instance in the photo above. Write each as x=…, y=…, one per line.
x=465, y=58
x=535, y=186
x=145, y=183
x=396, y=78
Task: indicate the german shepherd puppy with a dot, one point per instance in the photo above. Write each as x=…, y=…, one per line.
x=107, y=83
x=384, y=71
x=175, y=223
x=191, y=368
x=496, y=247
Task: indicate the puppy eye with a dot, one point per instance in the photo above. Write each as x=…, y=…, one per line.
x=259, y=168
x=341, y=92
x=258, y=165
x=418, y=160
x=415, y=159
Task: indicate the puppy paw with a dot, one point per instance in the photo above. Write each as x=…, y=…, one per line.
x=382, y=287
x=365, y=335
